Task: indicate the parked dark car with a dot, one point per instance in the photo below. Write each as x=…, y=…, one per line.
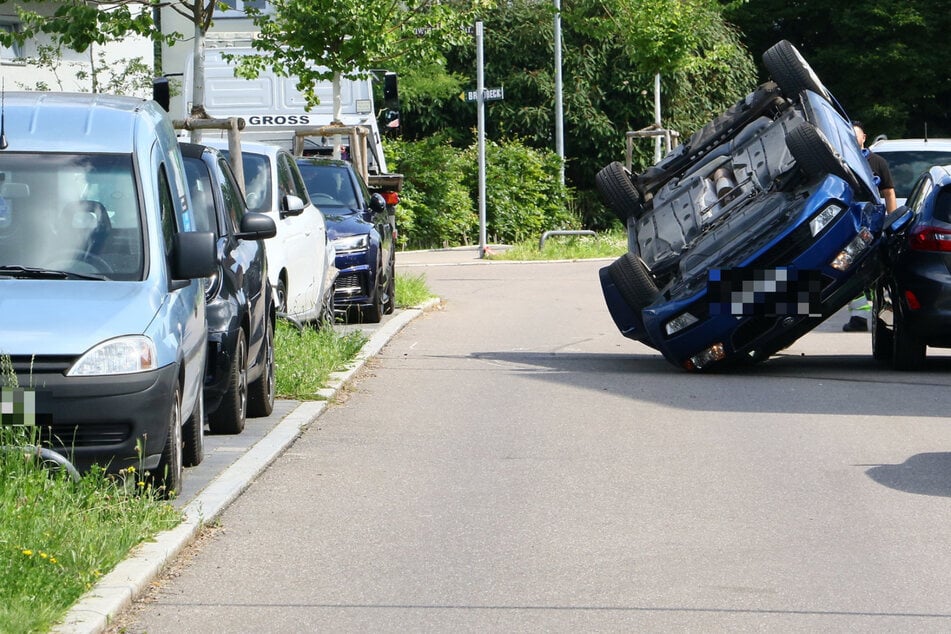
x=746, y=237
x=239, y=376
x=911, y=304
x=362, y=232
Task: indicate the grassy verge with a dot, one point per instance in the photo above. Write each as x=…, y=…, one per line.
x=411, y=290
x=57, y=537
x=305, y=358
x=604, y=245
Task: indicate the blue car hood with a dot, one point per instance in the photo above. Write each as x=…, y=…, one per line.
x=341, y=225
x=67, y=317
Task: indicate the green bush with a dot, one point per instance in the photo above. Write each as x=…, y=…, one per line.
x=439, y=202
x=435, y=208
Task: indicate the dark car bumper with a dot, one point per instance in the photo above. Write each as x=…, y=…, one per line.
x=924, y=290
x=356, y=279
x=115, y=421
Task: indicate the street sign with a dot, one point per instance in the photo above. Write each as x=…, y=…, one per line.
x=488, y=94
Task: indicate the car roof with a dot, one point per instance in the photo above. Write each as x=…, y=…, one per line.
x=322, y=160
x=250, y=147
x=900, y=145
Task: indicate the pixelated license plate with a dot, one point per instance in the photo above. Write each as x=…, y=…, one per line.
x=765, y=292
x=17, y=406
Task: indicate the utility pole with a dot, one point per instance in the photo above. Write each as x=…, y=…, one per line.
x=559, y=115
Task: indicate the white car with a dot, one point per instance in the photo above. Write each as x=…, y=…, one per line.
x=300, y=258
x=910, y=158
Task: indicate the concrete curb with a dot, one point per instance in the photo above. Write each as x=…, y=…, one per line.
x=116, y=591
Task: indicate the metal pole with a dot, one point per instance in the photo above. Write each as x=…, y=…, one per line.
x=559, y=114
x=480, y=101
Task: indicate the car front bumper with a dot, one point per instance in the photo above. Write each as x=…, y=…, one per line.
x=115, y=421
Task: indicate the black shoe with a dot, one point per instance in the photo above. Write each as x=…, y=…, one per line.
x=856, y=324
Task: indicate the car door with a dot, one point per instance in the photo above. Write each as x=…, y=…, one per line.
x=302, y=236
x=244, y=258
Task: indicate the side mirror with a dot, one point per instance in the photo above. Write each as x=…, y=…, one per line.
x=291, y=205
x=898, y=220
x=256, y=226
x=194, y=255
x=377, y=203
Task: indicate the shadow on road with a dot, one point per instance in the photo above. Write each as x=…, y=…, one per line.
x=924, y=474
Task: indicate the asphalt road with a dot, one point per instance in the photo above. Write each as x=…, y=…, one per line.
x=510, y=463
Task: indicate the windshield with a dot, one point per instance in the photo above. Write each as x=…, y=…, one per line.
x=77, y=214
x=328, y=185
x=906, y=166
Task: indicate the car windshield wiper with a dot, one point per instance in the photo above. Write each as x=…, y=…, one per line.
x=19, y=271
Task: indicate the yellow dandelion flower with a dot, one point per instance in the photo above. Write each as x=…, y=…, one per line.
x=44, y=555
x=27, y=552
x=53, y=560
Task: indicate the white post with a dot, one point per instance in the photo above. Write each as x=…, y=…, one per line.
x=480, y=101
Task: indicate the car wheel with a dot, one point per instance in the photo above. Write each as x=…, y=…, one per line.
x=791, y=71
x=328, y=310
x=908, y=351
x=816, y=156
x=193, y=434
x=390, y=304
x=280, y=304
x=882, y=343
x=230, y=416
x=168, y=473
x=373, y=313
x=633, y=281
x=261, y=393
x=615, y=186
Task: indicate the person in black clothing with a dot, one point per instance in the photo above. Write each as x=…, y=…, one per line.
x=860, y=306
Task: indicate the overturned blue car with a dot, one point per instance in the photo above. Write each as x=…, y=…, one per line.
x=761, y=225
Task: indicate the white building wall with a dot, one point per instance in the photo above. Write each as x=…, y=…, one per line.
x=24, y=74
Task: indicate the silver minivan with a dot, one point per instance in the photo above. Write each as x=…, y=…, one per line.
x=102, y=311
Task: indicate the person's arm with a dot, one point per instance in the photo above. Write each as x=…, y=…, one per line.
x=891, y=202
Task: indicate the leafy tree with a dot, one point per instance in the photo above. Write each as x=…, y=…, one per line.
x=319, y=40
x=612, y=51
x=884, y=60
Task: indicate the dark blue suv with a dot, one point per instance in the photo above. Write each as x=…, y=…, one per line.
x=763, y=224
x=363, y=233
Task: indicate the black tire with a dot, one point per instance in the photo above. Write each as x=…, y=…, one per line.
x=230, y=416
x=262, y=392
x=816, y=156
x=193, y=435
x=633, y=281
x=280, y=296
x=791, y=71
x=908, y=351
x=373, y=312
x=882, y=341
x=168, y=474
x=389, y=304
x=618, y=191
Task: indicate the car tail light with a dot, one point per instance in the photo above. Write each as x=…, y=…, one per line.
x=930, y=239
x=912, y=300
x=391, y=198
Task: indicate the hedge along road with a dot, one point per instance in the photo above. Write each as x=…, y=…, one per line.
x=509, y=462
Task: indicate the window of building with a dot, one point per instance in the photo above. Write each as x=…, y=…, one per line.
x=237, y=8
x=14, y=51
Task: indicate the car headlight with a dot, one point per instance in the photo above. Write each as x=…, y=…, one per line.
x=679, y=322
x=824, y=218
x=852, y=250
x=352, y=243
x=123, y=355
